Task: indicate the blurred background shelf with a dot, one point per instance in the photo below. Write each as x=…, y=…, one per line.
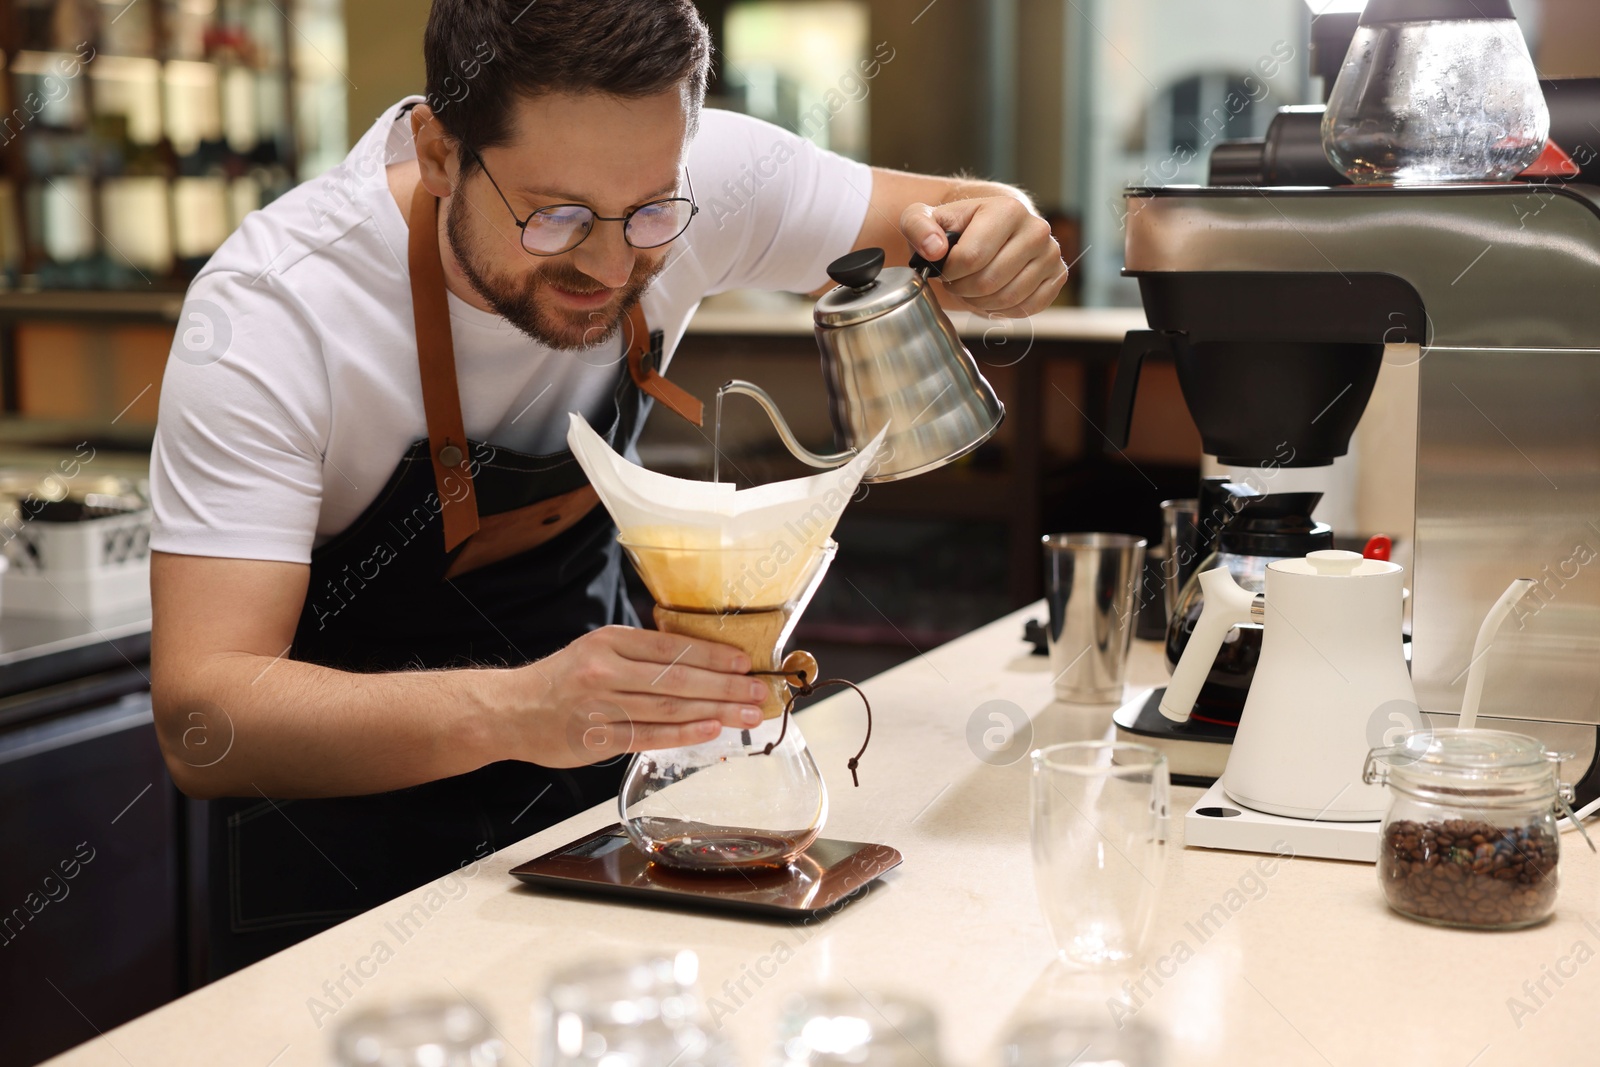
x=134, y=137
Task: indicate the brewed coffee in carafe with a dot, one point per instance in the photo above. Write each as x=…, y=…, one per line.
x=743, y=800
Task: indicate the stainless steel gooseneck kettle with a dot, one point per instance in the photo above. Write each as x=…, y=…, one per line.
x=890, y=357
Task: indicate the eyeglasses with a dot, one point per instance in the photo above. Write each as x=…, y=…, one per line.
x=560, y=228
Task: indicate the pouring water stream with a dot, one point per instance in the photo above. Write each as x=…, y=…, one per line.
x=716, y=437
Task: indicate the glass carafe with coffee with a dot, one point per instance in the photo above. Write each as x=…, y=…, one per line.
x=737, y=567
x=748, y=798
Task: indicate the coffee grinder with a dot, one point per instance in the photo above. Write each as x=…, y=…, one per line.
x=1279, y=305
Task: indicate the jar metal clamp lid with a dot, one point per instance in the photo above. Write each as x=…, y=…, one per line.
x=1485, y=765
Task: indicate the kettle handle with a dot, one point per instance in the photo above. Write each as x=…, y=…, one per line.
x=828, y=461
x=935, y=268
x=1226, y=605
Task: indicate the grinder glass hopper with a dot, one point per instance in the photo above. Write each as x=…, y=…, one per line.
x=738, y=568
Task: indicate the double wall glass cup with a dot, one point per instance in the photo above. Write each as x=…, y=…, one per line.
x=424, y=1033
x=1099, y=846
x=644, y=1012
x=1081, y=1041
x=847, y=1028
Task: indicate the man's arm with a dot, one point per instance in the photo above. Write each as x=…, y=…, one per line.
x=236, y=717
x=1007, y=262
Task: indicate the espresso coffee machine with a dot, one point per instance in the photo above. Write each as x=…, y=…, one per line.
x=1279, y=305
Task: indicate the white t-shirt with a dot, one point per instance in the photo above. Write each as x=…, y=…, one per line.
x=292, y=389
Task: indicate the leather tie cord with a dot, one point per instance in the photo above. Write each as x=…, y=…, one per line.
x=805, y=689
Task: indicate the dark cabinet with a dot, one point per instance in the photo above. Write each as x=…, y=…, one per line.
x=89, y=879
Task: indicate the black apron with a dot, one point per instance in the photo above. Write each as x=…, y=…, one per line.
x=471, y=555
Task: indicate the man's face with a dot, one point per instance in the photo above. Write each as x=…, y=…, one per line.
x=609, y=154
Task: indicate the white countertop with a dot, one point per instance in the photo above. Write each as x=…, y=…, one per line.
x=1309, y=966
x=770, y=317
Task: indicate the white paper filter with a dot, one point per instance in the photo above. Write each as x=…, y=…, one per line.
x=707, y=545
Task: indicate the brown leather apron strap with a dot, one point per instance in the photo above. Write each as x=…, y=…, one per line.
x=520, y=530
x=441, y=398
x=642, y=365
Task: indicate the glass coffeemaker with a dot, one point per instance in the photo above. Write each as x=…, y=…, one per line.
x=1257, y=529
x=748, y=798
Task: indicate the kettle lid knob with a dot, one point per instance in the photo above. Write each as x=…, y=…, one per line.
x=857, y=270
x=1334, y=561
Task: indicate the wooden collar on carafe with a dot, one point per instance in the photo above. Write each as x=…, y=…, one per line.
x=441, y=397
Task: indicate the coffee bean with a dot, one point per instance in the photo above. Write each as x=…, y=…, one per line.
x=1469, y=873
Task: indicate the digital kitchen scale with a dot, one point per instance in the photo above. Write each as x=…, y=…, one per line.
x=826, y=876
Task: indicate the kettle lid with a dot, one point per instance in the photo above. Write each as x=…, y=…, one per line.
x=1434, y=10
x=865, y=289
x=1333, y=563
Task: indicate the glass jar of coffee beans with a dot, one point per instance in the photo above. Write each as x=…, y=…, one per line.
x=1470, y=838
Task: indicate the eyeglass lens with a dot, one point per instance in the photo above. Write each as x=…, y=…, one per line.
x=556, y=229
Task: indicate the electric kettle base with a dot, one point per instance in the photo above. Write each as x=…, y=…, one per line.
x=1196, y=756
x=1216, y=821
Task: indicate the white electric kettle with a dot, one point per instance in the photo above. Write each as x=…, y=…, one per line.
x=1332, y=655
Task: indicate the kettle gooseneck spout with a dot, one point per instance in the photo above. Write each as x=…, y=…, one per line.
x=827, y=461
x=893, y=364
